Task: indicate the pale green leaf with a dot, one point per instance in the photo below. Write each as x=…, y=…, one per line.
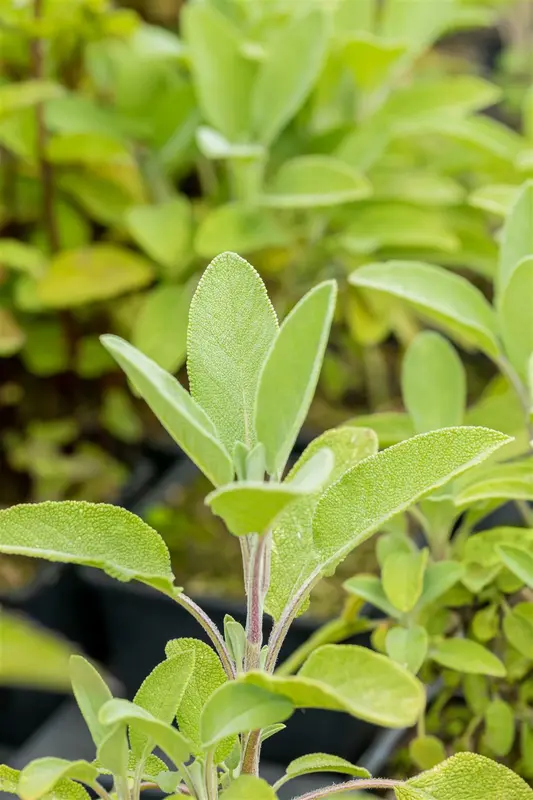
x=84, y=148
x=293, y=557
x=472, y=777
x=370, y=58
x=383, y=485
x=391, y=427
x=247, y=786
x=513, y=480
x=496, y=198
x=408, y=646
x=91, y=693
x=22, y=257
x=464, y=655
x=443, y=297
x=354, y=679
x=9, y=779
x=517, y=237
x=239, y=227
x=288, y=73
x=427, y=752
x=222, y=76
x=208, y=674
x=253, y=507
x=91, y=274
x=369, y=588
x=519, y=561
x=232, y=326
x=239, y=708
x=314, y=182
x=32, y=656
x=433, y=383
x=122, y=713
x=518, y=628
x=499, y=733
x=439, y=577
x=482, y=548
x=43, y=774
x=290, y=374
x=324, y=762
x=164, y=232
x=160, y=328
x=64, y=790
x=423, y=187
x=161, y=693
x=215, y=146
x=418, y=22
x=514, y=313
x=402, y=577
x=17, y=95
x=112, y=752
x=93, y=534
x=180, y=415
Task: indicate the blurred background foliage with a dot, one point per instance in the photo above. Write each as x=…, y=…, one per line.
x=138, y=140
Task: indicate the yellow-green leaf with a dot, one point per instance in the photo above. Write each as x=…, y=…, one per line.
x=160, y=328
x=164, y=232
x=247, y=786
x=516, y=238
x=238, y=227
x=314, y=182
x=514, y=312
x=403, y=578
x=464, y=655
x=31, y=655
x=43, y=774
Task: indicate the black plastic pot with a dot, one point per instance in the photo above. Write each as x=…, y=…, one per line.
x=138, y=622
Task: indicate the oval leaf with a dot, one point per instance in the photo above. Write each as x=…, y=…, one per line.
x=94, y=534
x=240, y=227
x=163, y=232
x=403, y=578
x=315, y=182
x=354, y=679
x=383, y=485
x=290, y=374
x=239, y=708
x=246, y=787
x=181, y=416
x=518, y=561
x=408, y=646
x=463, y=655
x=514, y=311
x=42, y=775
x=443, y=297
x=232, y=326
x=91, y=693
x=516, y=237
x=323, y=762
x=160, y=329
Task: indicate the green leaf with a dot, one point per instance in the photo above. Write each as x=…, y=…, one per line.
x=112, y=752
x=352, y=509
x=513, y=480
x=514, y=313
x=93, y=534
x=403, y=578
x=288, y=73
x=314, y=182
x=246, y=787
x=471, y=777
x=499, y=731
x=91, y=693
x=161, y=694
x=518, y=628
x=518, y=561
x=427, y=751
x=215, y=146
x=391, y=427
x=408, y=647
x=12, y=336
x=64, y=790
x=433, y=383
x=293, y=557
x=24, y=94
x=290, y=374
x=516, y=238
x=32, y=656
x=207, y=676
x=222, y=76
x=9, y=779
x=418, y=22
x=160, y=328
x=354, y=679
x=181, y=416
x=239, y=227
x=324, y=762
x=84, y=148
x=464, y=655
x=443, y=297
x=43, y=774
x=496, y=198
x=369, y=588
x=482, y=548
x=370, y=58
x=239, y=708
x=253, y=507
x=163, y=232
x=438, y=579
x=232, y=326
x=22, y=257
x=91, y=274
x=122, y=713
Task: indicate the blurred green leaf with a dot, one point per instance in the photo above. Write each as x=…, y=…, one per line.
x=314, y=182
x=514, y=312
x=464, y=655
x=164, y=232
x=403, y=578
x=160, y=328
x=239, y=228
x=21, y=94
x=32, y=656
x=408, y=646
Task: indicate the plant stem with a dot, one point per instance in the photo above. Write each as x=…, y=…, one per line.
x=255, y=602
x=211, y=629
x=211, y=777
x=252, y=751
x=45, y=168
x=350, y=786
x=100, y=791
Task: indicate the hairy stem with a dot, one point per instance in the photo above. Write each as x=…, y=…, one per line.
x=350, y=786
x=45, y=168
x=255, y=602
x=211, y=629
x=252, y=751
